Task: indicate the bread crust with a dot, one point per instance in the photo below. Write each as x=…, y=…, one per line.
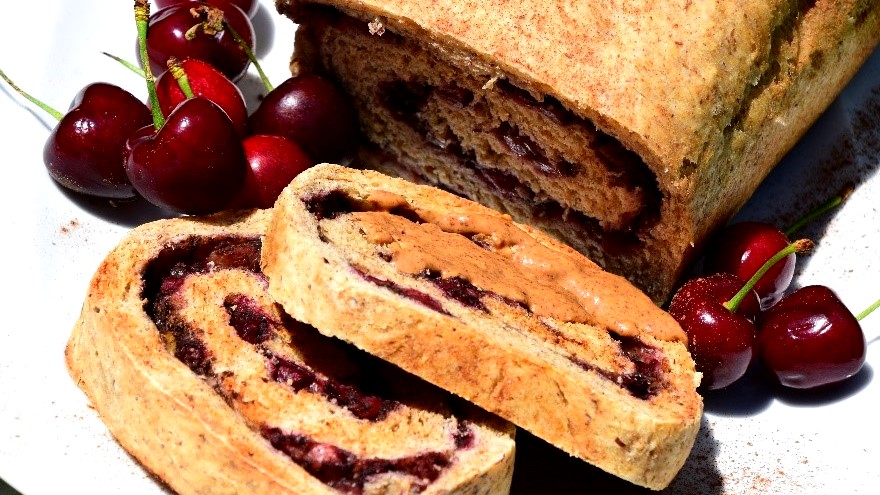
x=176, y=424
x=485, y=359
x=710, y=93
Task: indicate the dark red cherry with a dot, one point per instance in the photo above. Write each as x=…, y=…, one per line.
x=193, y=165
x=273, y=161
x=249, y=7
x=741, y=248
x=167, y=37
x=313, y=112
x=810, y=338
x=206, y=82
x=721, y=340
x=84, y=151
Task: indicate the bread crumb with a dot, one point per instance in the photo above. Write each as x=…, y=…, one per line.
x=490, y=83
x=376, y=27
x=72, y=224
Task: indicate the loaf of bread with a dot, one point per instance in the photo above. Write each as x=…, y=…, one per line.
x=491, y=310
x=203, y=379
x=630, y=130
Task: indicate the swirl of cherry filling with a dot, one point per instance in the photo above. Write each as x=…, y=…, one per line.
x=306, y=394
x=494, y=134
x=626, y=172
x=480, y=260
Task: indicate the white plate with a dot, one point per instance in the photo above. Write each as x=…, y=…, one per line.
x=754, y=439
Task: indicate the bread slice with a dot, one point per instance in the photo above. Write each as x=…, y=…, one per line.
x=629, y=130
x=202, y=378
x=491, y=310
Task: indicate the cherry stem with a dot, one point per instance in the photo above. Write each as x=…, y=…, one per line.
x=180, y=76
x=798, y=246
x=125, y=63
x=211, y=25
x=142, y=18
x=51, y=111
x=868, y=310
x=821, y=209
x=247, y=50
x=215, y=21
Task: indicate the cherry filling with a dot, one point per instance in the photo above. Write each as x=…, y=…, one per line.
x=347, y=472
x=459, y=289
x=404, y=100
x=166, y=272
x=255, y=326
x=551, y=107
x=190, y=350
x=415, y=295
x=647, y=379
x=299, y=377
x=464, y=436
x=644, y=382
x=333, y=465
x=196, y=255
x=251, y=323
x=328, y=205
x=527, y=149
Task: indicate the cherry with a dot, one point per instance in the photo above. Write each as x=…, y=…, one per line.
x=194, y=164
x=810, y=339
x=741, y=248
x=205, y=81
x=84, y=151
x=199, y=30
x=273, y=162
x=717, y=313
x=249, y=7
x=191, y=163
x=311, y=111
x=720, y=339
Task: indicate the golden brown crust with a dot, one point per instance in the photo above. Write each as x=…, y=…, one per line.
x=199, y=441
x=500, y=361
x=709, y=93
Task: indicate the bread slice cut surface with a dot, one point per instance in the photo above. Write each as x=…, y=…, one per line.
x=206, y=381
x=491, y=310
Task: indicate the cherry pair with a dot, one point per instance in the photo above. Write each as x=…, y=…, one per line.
x=807, y=338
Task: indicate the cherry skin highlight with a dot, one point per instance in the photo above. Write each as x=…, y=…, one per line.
x=273, y=161
x=722, y=342
x=166, y=38
x=312, y=112
x=810, y=339
x=741, y=248
x=206, y=82
x=84, y=151
x=194, y=164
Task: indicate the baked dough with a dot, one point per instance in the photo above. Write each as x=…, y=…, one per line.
x=630, y=130
x=493, y=311
x=204, y=380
